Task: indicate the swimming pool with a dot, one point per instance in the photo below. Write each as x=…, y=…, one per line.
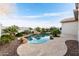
x=33, y=40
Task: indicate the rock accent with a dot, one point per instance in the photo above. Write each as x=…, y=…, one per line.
x=23, y=40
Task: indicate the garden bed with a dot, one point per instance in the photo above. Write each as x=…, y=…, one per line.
x=9, y=49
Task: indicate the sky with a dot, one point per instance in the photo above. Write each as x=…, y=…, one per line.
x=35, y=14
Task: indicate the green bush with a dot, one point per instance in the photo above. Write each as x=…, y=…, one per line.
x=55, y=31
x=19, y=34
x=38, y=29
x=26, y=32
x=9, y=34
x=6, y=39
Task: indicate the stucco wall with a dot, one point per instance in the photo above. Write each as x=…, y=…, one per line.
x=70, y=29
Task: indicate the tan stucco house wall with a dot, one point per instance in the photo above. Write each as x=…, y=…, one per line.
x=69, y=29
x=70, y=26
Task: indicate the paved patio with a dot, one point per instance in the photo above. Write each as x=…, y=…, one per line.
x=55, y=47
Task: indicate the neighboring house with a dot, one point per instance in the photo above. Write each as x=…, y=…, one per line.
x=70, y=25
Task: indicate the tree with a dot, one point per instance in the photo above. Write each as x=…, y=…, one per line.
x=12, y=30
x=6, y=39
x=19, y=34
x=9, y=34
x=51, y=28
x=38, y=29
x=47, y=30
x=26, y=31
x=43, y=30
x=30, y=28
x=55, y=31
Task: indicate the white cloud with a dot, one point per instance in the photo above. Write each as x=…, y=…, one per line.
x=51, y=14
x=57, y=14
x=36, y=16
x=25, y=23
x=8, y=17
x=7, y=9
x=32, y=21
x=66, y=13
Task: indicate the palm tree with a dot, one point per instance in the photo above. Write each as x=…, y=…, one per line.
x=12, y=30
x=9, y=34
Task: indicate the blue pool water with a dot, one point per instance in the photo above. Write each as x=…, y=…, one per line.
x=34, y=40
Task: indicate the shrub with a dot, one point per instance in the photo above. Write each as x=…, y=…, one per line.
x=26, y=32
x=55, y=31
x=9, y=34
x=12, y=30
x=6, y=39
x=19, y=34
x=38, y=29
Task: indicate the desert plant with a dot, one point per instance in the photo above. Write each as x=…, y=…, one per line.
x=55, y=31
x=19, y=34
x=9, y=34
x=30, y=28
x=12, y=30
x=6, y=39
x=26, y=31
x=38, y=29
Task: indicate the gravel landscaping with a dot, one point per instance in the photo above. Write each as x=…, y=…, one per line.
x=9, y=49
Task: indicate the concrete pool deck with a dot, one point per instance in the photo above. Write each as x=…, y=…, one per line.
x=55, y=47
